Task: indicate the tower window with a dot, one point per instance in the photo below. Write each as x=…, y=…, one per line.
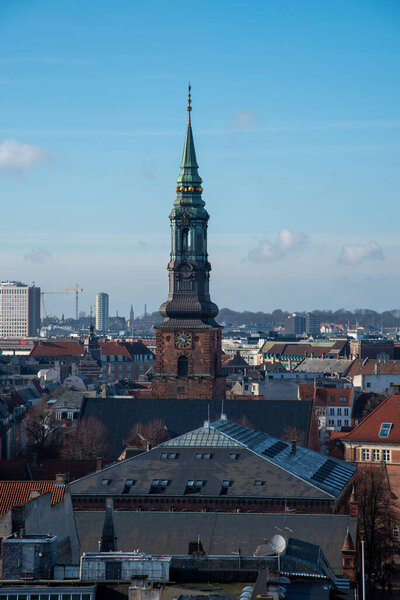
x=183, y=366
x=186, y=239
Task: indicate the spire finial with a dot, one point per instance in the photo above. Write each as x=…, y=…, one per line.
x=189, y=108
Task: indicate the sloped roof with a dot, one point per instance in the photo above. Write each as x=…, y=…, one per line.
x=324, y=365
x=221, y=533
x=326, y=473
x=15, y=493
x=119, y=415
x=367, y=367
x=237, y=361
x=368, y=430
x=333, y=396
x=258, y=456
x=57, y=349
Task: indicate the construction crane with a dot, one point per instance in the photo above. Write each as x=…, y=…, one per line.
x=76, y=289
x=43, y=311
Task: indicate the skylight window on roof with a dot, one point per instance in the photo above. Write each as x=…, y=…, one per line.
x=166, y=455
x=203, y=455
x=128, y=484
x=385, y=430
x=193, y=486
x=225, y=485
x=158, y=486
x=105, y=482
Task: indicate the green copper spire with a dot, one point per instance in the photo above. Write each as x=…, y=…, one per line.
x=189, y=173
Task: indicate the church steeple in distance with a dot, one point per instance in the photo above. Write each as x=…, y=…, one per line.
x=189, y=269
x=188, y=356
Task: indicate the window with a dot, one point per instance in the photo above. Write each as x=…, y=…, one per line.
x=339, y=422
x=186, y=239
x=368, y=385
x=128, y=484
x=193, y=486
x=365, y=454
x=225, y=485
x=169, y=455
x=181, y=390
x=385, y=429
x=386, y=455
x=332, y=398
x=331, y=422
x=183, y=366
x=331, y=411
x=158, y=486
x=346, y=411
x=375, y=454
x=343, y=399
x=346, y=422
x=233, y=456
x=339, y=411
x=259, y=482
x=396, y=533
x=203, y=455
x=105, y=482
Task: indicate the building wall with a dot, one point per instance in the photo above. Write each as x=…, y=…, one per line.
x=102, y=311
x=19, y=310
x=370, y=452
x=377, y=383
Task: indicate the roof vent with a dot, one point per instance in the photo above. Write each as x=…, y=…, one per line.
x=224, y=417
x=294, y=446
x=206, y=424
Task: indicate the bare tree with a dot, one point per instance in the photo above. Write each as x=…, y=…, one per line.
x=293, y=434
x=377, y=514
x=153, y=433
x=86, y=440
x=44, y=434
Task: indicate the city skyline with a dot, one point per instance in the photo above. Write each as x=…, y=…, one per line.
x=299, y=164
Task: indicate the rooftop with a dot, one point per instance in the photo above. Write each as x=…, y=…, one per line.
x=16, y=493
x=381, y=425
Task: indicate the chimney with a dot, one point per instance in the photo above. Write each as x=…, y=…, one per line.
x=34, y=494
x=294, y=446
x=377, y=368
x=61, y=479
x=99, y=463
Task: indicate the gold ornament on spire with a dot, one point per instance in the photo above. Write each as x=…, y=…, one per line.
x=189, y=108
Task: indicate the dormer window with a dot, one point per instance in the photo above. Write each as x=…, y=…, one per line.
x=158, y=486
x=385, y=430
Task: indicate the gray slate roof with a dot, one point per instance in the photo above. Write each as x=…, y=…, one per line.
x=221, y=533
x=119, y=415
x=258, y=457
x=324, y=365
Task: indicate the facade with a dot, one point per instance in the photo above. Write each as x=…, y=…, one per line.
x=375, y=376
x=313, y=324
x=295, y=324
x=188, y=356
x=19, y=310
x=102, y=312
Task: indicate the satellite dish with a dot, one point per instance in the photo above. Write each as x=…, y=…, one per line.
x=278, y=543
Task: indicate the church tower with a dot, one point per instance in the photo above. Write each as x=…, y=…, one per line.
x=188, y=340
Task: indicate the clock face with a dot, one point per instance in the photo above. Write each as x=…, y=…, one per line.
x=183, y=339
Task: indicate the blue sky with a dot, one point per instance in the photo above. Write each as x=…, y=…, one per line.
x=296, y=121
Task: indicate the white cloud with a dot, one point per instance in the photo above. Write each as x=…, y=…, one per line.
x=16, y=156
x=37, y=255
x=242, y=119
x=286, y=244
x=352, y=254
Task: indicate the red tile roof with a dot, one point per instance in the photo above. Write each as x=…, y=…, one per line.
x=367, y=367
x=368, y=430
x=57, y=349
x=306, y=391
x=15, y=493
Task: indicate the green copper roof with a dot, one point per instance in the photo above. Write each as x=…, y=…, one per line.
x=189, y=173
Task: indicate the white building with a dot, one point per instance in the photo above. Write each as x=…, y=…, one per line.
x=19, y=310
x=102, y=312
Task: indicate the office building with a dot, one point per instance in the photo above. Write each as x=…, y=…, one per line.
x=295, y=324
x=313, y=324
x=102, y=312
x=19, y=310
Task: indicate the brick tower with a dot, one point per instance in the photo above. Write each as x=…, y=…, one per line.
x=188, y=356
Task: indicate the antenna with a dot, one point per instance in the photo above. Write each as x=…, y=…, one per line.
x=208, y=412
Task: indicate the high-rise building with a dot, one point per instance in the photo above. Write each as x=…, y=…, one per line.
x=19, y=310
x=313, y=324
x=295, y=324
x=102, y=312
x=188, y=340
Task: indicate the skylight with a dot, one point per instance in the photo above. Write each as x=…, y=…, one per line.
x=385, y=429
